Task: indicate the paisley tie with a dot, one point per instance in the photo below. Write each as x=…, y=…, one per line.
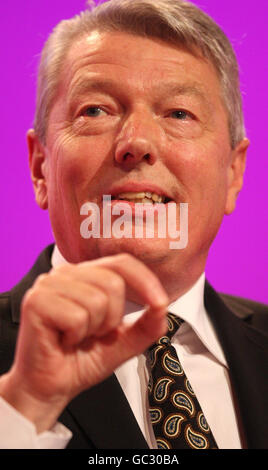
x=177, y=418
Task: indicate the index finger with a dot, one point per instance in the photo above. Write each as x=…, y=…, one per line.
x=138, y=277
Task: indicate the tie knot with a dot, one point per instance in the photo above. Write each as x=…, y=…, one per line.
x=174, y=323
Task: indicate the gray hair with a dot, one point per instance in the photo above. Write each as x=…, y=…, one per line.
x=174, y=21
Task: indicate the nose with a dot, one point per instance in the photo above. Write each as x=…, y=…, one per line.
x=137, y=141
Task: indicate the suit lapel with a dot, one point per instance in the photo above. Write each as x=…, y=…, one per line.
x=42, y=265
x=246, y=353
x=106, y=418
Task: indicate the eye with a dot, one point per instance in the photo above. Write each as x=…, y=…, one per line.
x=181, y=115
x=93, y=111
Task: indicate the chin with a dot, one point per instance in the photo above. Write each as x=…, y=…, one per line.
x=145, y=249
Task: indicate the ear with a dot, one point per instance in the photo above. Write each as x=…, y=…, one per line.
x=236, y=174
x=38, y=168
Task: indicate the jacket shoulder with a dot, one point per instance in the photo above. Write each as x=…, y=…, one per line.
x=5, y=307
x=8, y=333
x=254, y=313
x=10, y=303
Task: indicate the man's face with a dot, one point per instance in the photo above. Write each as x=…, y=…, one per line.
x=131, y=112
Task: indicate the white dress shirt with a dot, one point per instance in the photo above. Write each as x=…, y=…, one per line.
x=202, y=359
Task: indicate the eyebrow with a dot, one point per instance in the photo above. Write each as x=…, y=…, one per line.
x=85, y=86
x=166, y=89
x=193, y=88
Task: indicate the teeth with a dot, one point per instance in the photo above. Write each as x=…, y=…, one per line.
x=131, y=195
x=147, y=201
x=156, y=198
x=145, y=197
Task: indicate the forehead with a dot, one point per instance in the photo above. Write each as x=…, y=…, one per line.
x=140, y=62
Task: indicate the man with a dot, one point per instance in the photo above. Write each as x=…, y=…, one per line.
x=136, y=100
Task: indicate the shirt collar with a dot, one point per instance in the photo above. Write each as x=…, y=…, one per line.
x=57, y=259
x=190, y=307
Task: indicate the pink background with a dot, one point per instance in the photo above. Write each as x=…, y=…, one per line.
x=238, y=260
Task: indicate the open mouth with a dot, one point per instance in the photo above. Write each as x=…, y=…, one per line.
x=142, y=197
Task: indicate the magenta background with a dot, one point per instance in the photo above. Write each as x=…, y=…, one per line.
x=238, y=260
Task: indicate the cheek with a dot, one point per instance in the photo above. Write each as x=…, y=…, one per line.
x=77, y=162
x=201, y=168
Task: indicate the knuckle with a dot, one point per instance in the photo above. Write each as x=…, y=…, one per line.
x=30, y=299
x=116, y=283
x=125, y=257
x=62, y=269
x=41, y=280
x=99, y=301
x=79, y=317
x=114, y=319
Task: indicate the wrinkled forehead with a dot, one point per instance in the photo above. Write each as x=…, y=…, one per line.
x=104, y=50
x=94, y=38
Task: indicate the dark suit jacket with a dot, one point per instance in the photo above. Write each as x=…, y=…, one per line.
x=100, y=418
